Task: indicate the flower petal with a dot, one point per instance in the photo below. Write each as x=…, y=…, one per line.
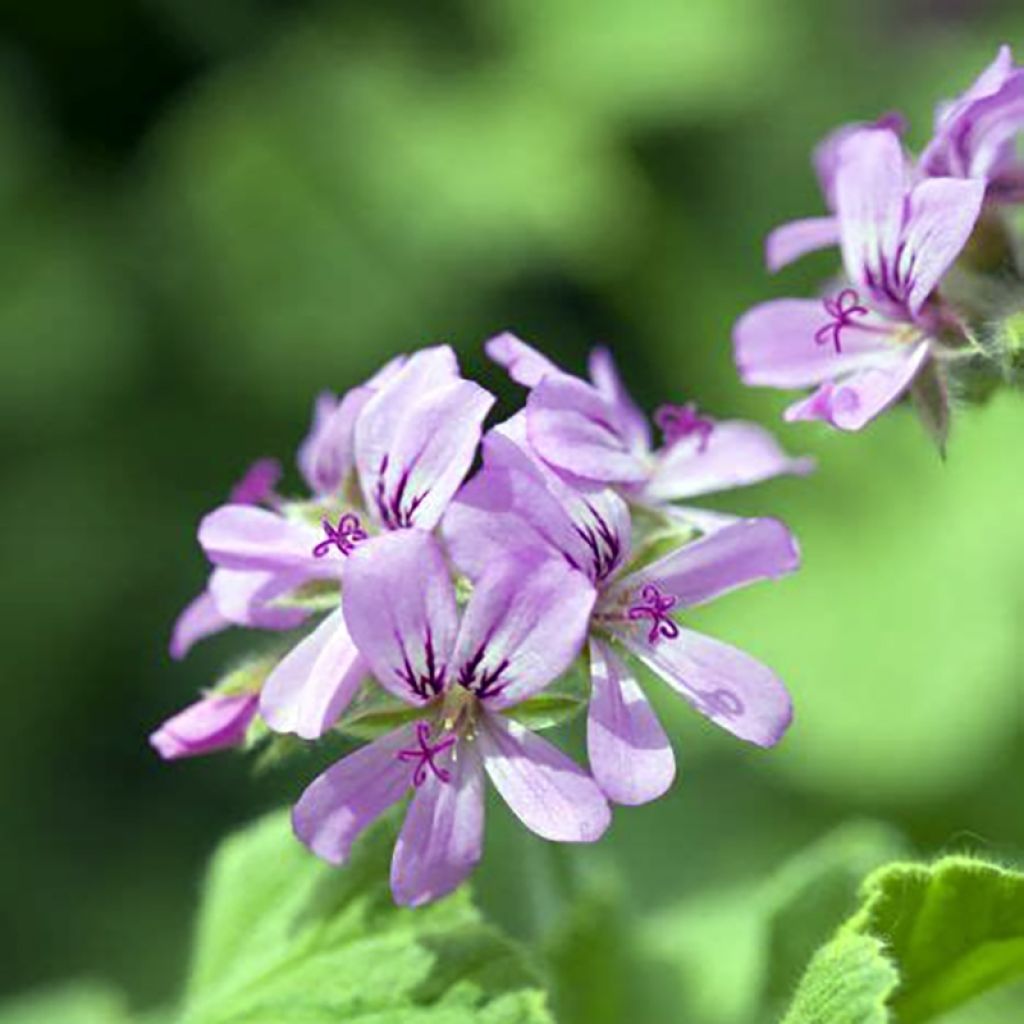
x=942, y=214
x=575, y=428
x=523, y=626
x=247, y=598
x=199, y=618
x=524, y=364
x=724, y=684
x=547, y=791
x=213, y=723
x=352, y=794
x=734, y=556
x=736, y=454
x=399, y=605
x=775, y=345
x=415, y=441
x=314, y=683
x=604, y=375
x=856, y=400
x=788, y=242
x=629, y=753
x=442, y=837
x=246, y=537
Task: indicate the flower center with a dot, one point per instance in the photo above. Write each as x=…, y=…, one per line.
x=344, y=536
x=678, y=421
x=655, y=606
x=425, y=754
x=842, y=309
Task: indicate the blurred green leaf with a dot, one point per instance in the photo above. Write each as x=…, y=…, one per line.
x=80, y=1003
x=926, y=939
x=283, y=937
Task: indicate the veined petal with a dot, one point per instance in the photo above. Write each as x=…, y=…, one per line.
x=826, y=154
x=443, y=834
x=629, y=753
x=199, y=618
x=855, y=401
x=314, y=683
x=871, y=187
x=416, y=438
x=942, y=215
x=547, y=791
x=213, y=723
x=724, y=684
x=327, y=455
x=246, y=598
x=524, y=364
x=399, y=605
x=352, y=794
x=604, y=375
x=788, y=242
x=246, y=537
x=736, y=454
x=575, y=428
x=776, y=345
x=523, y=626
x=734, y=556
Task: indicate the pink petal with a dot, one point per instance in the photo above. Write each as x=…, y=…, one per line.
x=860, y=397
x=604, y=375
x=575, y=428
x=524, y=625
x=629, y=753
x=314, y=683
x=246, y=537
x=547, y=791
x=737, y=454
x=352, y=794
x=442, y=837
x=246, y=598
x=774, y=345
x=788, y=242
x=725, y=685
x=399, y=605
x=524, y=364
x=200, y=618
x=942, y=215
x=213, y=723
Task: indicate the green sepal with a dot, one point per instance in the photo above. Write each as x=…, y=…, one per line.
x=313, y=596
x=375, y=712
x=248, y=677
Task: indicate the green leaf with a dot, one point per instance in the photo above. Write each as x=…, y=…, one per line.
x=285, y=938
x=926, y=939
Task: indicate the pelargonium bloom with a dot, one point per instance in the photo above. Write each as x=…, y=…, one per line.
x=216, y=722
x=593, y=432
x=394, y=461
x=863, y=346
x=462, y=674
x=516, y=500
x=976, y=134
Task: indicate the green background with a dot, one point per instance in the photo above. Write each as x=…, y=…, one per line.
x=212, y=211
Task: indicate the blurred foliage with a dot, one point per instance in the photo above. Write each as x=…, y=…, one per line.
x=213, y=211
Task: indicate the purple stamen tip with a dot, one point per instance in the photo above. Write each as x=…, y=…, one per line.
x=679, y=421
x=424, y=754
x=344, y=536
x=841, y=308
x=257, y=486
x=655, y=606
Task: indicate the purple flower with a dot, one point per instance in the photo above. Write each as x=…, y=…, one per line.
x=524, y=624
x=412, y=441
x=215, y=722
x=594, y=433
x=862, y=346
x=976, y=134
x=517, y=500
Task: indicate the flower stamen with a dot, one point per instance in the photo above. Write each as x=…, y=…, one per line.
x=679, y=421
x=656, y=609
x=344, y=536
x=841, y=308
x=425, y=754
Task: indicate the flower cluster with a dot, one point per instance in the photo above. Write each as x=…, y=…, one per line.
x=452, y=608
x=931, y=279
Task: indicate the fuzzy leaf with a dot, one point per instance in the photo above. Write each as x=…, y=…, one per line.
x=284, y=938
x=926, y=939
